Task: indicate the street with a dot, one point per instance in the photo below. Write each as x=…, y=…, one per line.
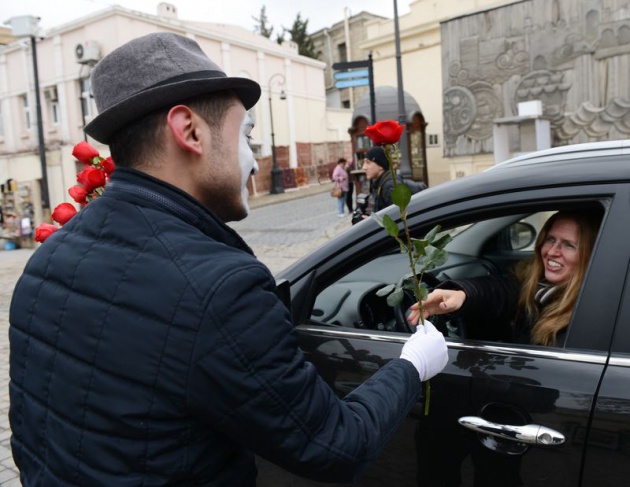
x=279, y=234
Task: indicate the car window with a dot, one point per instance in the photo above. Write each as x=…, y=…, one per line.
x=488, y=247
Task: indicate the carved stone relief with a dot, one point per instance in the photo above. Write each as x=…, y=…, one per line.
x=547, y=86
x=595, y=122
x=538, y=50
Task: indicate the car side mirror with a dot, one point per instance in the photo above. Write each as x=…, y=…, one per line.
x=522, y=235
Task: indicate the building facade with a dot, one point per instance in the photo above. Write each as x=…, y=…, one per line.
x=341, y=43
x=470, y=63
x=305, y=132
x=570, y=56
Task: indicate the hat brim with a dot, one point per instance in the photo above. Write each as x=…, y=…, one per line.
x=108, y=122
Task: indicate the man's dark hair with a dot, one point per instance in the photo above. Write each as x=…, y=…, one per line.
x=135, y=144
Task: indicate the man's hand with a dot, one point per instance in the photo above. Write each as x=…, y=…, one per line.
x=426, y=350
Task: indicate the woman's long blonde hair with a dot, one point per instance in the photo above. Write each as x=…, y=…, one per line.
x=557, y=313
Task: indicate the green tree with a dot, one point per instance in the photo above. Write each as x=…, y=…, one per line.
x=262, y=26
x=301, y=38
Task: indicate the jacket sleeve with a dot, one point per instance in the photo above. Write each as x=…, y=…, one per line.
x=250, y=381
x=488, y=298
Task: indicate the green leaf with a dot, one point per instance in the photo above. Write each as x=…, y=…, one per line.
x=410, y=285
x=395, y=298
x=401, y=196
x=434, y=258
x=385, y=290
x=424, y=292
x=390, y=226
x=419, y=246
x=441, y=242
x=432, y=233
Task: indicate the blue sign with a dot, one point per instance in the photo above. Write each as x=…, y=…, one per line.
x=359, y=73
x=351, y=83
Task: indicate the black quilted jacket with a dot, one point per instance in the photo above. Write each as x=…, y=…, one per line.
x=149, y=348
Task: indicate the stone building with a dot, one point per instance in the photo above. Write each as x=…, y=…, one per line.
x=306, y=133
x=572, y=56
x=342, y=43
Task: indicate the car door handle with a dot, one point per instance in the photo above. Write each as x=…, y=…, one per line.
x=533, y=434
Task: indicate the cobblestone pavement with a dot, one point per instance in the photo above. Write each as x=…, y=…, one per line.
x=280, y=229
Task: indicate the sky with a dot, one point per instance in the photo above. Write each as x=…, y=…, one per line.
x=280, y=13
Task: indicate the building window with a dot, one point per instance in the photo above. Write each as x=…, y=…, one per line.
x=345, y=104
x=343, y=52
x=433, y=140
x=26, y=112
x=54, y=112
x=87, y=106
x=52, y=99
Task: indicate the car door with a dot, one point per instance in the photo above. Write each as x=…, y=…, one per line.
x=607, y=457
x=503, y=385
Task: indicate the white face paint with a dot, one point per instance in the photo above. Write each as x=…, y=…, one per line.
x=246, y=159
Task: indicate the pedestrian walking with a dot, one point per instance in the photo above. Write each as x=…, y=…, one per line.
x=340, y=179
x=148, y=345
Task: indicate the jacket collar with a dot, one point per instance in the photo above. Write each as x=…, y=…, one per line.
x=142, y=189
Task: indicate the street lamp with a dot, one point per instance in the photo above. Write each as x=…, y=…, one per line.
x=276, y=174
x=26, y=26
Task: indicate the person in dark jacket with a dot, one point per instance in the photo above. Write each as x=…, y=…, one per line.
x=539, y=297
x=148, y=345
x=377, y=172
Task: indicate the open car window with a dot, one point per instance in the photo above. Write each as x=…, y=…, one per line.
x=492, y=246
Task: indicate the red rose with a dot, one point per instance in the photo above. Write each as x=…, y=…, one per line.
x=84, y=152
x=108, y=165
x=78, y=193
x=385, y=132
x=63, y=213
x=44, y=231
x=91, y=178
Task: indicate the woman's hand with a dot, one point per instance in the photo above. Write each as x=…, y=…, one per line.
x=438, y=302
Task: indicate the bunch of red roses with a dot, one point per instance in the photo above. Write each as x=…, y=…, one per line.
x=92, y=181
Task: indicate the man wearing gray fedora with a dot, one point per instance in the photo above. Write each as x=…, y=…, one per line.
x=148, y=344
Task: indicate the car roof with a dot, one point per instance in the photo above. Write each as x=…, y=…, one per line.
x=591, y=150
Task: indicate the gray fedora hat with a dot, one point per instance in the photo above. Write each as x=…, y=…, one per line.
x=152, y=72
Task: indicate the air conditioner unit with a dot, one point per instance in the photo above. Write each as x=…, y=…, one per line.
x=50, y=93
x=87, y=52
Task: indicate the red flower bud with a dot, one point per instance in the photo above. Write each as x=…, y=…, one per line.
x=43, y=231
x=63, y=213
x=108, y=165
x=385, y=132
x=78, y=193
x=84, y=152
x=91, y=178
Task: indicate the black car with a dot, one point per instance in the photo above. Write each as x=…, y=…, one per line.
x=501, y=414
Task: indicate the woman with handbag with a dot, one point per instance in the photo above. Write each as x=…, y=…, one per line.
x=340, y=179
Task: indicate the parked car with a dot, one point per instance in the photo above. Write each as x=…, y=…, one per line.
x=500, y=413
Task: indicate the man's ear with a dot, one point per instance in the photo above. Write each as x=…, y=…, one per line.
x=184, y=126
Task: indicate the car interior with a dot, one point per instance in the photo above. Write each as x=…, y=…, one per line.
x=485, y=247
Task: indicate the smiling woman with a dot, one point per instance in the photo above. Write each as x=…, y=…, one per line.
x=539, y=296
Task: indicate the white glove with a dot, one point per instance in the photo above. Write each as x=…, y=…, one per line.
x=426, y=350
